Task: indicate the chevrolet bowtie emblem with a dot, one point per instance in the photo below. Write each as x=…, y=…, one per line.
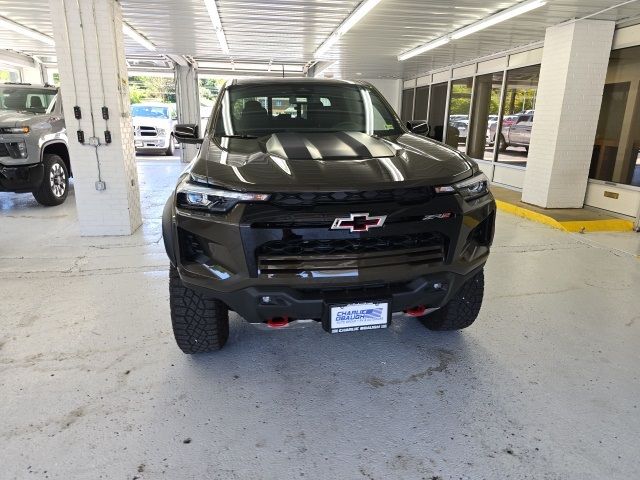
x=358, y=222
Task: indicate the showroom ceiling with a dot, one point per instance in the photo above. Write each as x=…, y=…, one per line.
x=289, y=31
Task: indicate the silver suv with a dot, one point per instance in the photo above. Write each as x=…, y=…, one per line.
x=33, y=143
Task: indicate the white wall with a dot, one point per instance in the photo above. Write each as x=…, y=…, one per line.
x=572, y=75
x=390, y=88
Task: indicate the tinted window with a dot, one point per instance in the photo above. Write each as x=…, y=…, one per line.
x=263, y=109
x=22, y=99
x=150, y=111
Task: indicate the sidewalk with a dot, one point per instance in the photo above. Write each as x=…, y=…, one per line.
x=567, y=219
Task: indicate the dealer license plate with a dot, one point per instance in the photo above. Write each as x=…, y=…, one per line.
x=359, y=316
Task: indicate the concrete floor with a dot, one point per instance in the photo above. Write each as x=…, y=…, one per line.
x=544, y=386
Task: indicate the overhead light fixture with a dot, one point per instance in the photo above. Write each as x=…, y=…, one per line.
x=212, y=8
x=134, y=35
x=506, y=14
x=424, y=48
x=16, y=60
x=354, y=17
x=26, y=31
x=489, y=21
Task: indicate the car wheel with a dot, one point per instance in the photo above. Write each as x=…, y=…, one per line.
x=503, y=144
x=200, y=324
x=169, y=152
x=55, y=183
x=462, y=309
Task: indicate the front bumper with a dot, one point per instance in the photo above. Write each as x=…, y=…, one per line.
x=19, y=179
x=228, y=261
x=151, y=143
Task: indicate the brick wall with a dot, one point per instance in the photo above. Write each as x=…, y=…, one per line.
x=572, y=75
x=93, y=74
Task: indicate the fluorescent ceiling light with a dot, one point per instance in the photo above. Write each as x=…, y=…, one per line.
x=511, y=12
x=489, y=21
x=424, y=48
x=326, y=46
x=26, y=31
x=357, y=15
x=212, y=8
x=134, y=35
x=354, y=17
x=16, y=60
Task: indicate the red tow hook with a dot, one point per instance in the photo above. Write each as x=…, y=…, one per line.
x=278, y=322
x=416, y=311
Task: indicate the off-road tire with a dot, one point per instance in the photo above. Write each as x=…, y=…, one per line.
x=171, y=148
x=462, y=309
x=46, y=193
x=200, y=324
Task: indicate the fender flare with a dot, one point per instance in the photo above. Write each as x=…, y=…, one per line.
x=54, y=141
x=169, y=231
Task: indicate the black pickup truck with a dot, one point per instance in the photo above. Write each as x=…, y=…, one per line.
x=310, y=199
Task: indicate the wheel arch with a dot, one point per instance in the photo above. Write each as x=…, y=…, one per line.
x=168, y=230
x=58, y=148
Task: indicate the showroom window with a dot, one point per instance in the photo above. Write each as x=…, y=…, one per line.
x=517, y=115
x=437, y=108
x=459, y=106
x=9, y=75
x=484, y=115
x=421, y=103
x=616, y=156
x=407, y=104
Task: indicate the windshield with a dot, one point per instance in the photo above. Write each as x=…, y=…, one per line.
x=150, y=111
x=20, y=99
x=263, y=109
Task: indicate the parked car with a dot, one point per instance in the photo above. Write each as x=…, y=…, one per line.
x=34, y=156
x=153, y=127
x=507, y=121
x=518, y=134
x=340, y=215
x=462, y=126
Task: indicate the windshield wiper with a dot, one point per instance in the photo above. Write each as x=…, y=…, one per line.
x=237, y=136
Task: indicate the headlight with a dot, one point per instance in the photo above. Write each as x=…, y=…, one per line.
x=161, y=131
x=191, y=196
x=24, y=130
x=470, y=189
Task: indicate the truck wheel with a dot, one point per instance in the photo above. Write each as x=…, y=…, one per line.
x=55, y=183
x=200, y=324
x=462, y=310
x=503, y=145
x=169, y=152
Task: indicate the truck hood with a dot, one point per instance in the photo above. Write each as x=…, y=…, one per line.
x=10, y=118
x=152, y=122
x=327, y=162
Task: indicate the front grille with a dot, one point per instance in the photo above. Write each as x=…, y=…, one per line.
x=3, y=150
x=341, y=255
x=397, y=195
x=148, y=132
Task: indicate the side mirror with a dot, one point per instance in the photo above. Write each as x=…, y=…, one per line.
x=419, y=127
x=187, y=133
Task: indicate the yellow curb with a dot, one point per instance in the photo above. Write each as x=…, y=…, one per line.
x=611, y=225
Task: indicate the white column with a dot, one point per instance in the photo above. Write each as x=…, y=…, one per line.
x=93, y=74
x=572, y=76
x=188, y=104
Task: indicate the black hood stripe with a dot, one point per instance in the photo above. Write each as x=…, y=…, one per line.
x=294, y=146
x=358, y=147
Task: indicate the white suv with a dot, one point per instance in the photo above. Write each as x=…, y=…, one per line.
x=153, y=127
